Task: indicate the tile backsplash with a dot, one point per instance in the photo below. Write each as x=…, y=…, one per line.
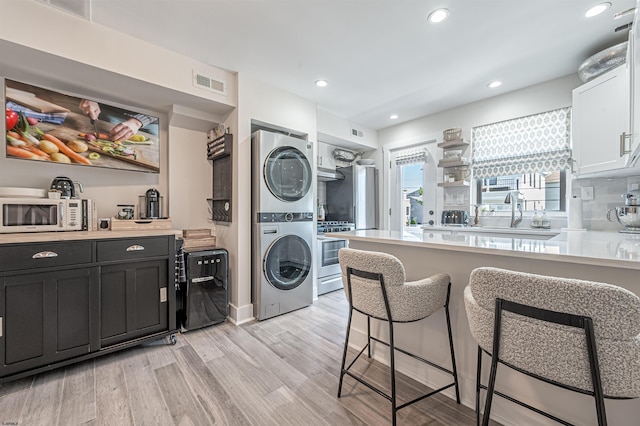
x=607, y=194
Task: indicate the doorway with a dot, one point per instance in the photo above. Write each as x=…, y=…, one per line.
x=412, y=186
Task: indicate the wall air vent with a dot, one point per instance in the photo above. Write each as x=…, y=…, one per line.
x=209, y=83
x=356, y=132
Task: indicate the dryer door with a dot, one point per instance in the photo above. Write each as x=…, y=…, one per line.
x=287, y=173
x=287, y=262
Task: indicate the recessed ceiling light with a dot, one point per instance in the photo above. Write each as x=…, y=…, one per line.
x=597, y=9
x=438, y=15
x=393, y=117
x=494, y=84
x=321, y=83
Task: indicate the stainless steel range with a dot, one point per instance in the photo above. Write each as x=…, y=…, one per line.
x=327, y=266
x=334, y=226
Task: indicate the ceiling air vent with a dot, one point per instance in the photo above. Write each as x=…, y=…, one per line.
x=209, y=83
x=356, y=132
x=81, y=8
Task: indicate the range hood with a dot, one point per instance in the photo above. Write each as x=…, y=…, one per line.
x=326, y=175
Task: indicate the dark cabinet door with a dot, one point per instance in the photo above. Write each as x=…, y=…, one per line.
x=48, y=317
x=133, y=300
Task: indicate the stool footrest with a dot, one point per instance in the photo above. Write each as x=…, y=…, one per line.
x=420, y=398
x=367, y=384
x=419, y=358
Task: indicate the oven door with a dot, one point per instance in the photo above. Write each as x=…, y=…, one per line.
x=328, y=263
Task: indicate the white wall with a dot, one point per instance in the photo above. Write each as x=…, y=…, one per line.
x=62, y=34
x=115, y=68
x=189, y=179
x=267, y=104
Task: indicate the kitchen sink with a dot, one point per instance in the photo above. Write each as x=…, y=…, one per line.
x=530, y=234
x=526, y=233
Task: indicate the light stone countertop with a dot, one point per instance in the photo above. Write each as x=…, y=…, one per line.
x=583, y=247
x=41, y=237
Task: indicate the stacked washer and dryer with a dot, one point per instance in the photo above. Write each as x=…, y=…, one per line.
x=283, y=228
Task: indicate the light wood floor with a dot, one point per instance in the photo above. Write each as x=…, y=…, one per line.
x=282, y=371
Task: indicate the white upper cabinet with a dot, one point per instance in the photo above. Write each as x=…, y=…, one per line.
x=325, y=156
x=633, y=58
x=601, y=123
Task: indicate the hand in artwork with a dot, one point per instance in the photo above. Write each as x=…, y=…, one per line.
x=90, y=109
x=125, y=130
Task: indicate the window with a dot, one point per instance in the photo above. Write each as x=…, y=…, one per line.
x=412, y=191
x=528, y=154
x=540, y=190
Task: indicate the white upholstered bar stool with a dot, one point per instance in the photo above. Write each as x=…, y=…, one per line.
x=375, y=286
x=579, y=335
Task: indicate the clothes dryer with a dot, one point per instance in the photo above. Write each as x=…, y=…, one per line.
x=282, y=266
x=282, y=173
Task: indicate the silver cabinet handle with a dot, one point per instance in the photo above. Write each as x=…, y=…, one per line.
x=44, y=255
x=623, y=149
x=135, y=247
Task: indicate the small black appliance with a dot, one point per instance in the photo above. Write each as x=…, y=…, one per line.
x=66, y=186
x=455, y=217
x=152, y=204
x=205, y=294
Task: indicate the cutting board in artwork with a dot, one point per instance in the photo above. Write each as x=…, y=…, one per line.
x=33, y=102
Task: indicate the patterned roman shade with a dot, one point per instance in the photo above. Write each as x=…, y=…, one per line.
x=538, y=143
x=412, y=156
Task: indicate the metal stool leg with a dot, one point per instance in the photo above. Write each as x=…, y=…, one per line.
x=344, y=352
x=453, y=355
x=368, y=336
x=478, y=375
x=392, y=349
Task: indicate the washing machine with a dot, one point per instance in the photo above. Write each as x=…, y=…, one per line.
x=282, y=267
x=282, y=173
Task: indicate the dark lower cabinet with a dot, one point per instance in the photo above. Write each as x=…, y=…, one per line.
x=48, y=317
x=133, y=301
x=54, y=312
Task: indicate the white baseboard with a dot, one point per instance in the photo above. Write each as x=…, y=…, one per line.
x=241, y=315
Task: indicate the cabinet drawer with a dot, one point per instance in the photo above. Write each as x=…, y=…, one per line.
x=44, y=255
x=132, y=248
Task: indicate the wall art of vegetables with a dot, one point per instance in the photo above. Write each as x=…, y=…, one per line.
x=48, y=126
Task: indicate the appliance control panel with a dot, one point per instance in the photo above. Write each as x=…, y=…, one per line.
x=284, y=217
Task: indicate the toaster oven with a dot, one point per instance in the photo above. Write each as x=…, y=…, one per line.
x=455, y=217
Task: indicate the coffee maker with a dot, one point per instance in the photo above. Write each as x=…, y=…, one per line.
x=152, y=205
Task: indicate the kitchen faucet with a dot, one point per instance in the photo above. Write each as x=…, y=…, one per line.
x=515, y=198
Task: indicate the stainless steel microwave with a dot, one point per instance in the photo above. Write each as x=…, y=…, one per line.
x=40, y=215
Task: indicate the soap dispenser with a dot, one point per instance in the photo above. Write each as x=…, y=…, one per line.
x=544, y=220
x=535, y=220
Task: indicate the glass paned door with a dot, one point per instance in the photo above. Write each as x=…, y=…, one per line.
x=413, y=191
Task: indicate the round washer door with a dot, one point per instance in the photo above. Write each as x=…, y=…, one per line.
x=287, y=262
x=287, y=173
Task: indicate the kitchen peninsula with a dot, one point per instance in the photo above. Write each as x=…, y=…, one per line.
x=608, y=257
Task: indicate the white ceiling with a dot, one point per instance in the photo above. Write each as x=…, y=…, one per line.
x=379, y=56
